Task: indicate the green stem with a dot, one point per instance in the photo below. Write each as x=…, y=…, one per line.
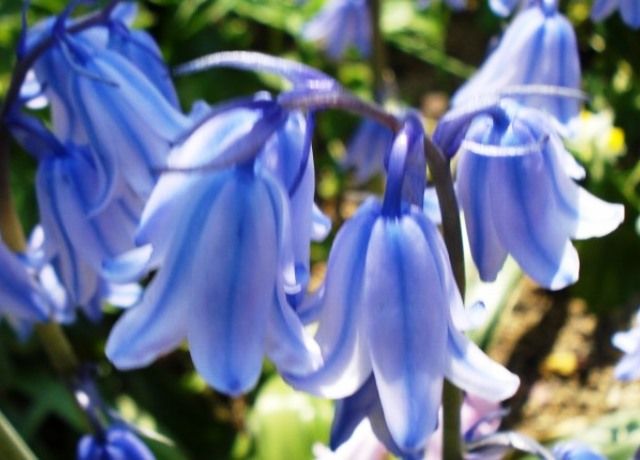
x=379, y=52
x=12, y=446
x=452, y=233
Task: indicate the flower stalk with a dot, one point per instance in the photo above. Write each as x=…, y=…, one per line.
x=452, y=234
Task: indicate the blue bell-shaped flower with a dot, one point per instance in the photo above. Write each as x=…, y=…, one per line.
x=223, y=241
x=116, y=443
x=538, y=48
x=340, y=25
x=367, y=149
x=629, y=10
x=629, y=343
x=518, y=196
x=389, y=295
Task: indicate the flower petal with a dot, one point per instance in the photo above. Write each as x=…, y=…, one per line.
x=346, y=358
x=407, y=313
x=473, y=371
x=232, y=277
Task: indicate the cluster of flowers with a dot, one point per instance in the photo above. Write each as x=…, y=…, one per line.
x=218, y=203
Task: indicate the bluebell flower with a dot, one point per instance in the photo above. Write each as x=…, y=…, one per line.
x=629, y=10
x=519, y=199
x=629, y=343
x=100, y=99
x=140, y=49
x=389, y=295
x=222, y=239
x=538, y=48
x=116, y=443
x=575, y=450
x=22, y=298
x=367, y=149
x=76, y=240
x=339, y=25
x=288, y=156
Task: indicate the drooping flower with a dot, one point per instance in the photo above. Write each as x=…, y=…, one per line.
x=100, y=99
x=629, y=11
x=140, y=48
x=116, y=443
x=538, y=48
x=629, y=343
x=367, y=149
x=22, y=299
x=340, y=25
x=222, y=239
x=576, y=450
x=516, y=189
x=75, y=239
x=288, y=156
x=389, y=295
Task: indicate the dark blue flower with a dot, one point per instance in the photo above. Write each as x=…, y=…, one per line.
x=116, y=443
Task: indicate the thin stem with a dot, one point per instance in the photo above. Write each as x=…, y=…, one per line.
x=379, y=52
x=452, y=233
x=338, y=99
x=12, y=446
x=23, y=66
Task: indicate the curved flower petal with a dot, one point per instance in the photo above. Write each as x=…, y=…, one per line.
x=475, y=198
x=159, y=323
x=232, y=294
x=406, y=314
x=345, y=352
x=470, y=369
x=546, y=42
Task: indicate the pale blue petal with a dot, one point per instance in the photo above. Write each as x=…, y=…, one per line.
x=129, y=266
x=545, y=42
x=603, y=8
x=159, y=323
x=630, y=12
x=475, y=200
x=406, y=314
x=231, y=281
x=525, y=215
x=321, y=224
x=587, y=215
x=346, y=358
x=470, y=369
x=20, y=297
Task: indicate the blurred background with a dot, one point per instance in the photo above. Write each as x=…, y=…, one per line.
x=559, y=343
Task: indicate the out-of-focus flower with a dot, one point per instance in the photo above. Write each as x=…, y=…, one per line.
x=538, y=48
x=595, y=141
x=575, y=450
x=388, y=296
x=629, y=342
x=116, y=443
x=367, y=149
x=629, y=11
x=340, y=25
x=516, y=190
x=223, y=242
